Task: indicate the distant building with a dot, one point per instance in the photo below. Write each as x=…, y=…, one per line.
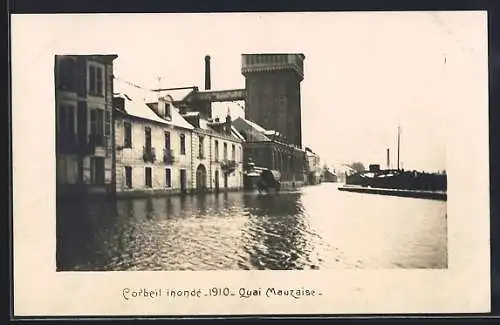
x=266, y=148
x=330, y=176
x=84, y=127
x=153, y=147
x=313, y=166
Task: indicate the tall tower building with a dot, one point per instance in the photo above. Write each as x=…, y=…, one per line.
x=272, y=83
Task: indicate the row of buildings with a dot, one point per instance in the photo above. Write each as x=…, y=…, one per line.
x=117, y=140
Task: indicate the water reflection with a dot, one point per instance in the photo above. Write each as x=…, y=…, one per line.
x=314, y=228
x=274, y=232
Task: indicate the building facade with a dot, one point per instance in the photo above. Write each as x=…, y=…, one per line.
x=84, y=128
x=314, y=169
x=267, y=149
x=153, y=147
x=217, y=155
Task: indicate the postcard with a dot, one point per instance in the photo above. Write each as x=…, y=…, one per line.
x=250, y=163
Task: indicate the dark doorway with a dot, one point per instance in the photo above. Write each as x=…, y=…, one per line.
x=201, y=177
x=183, y=181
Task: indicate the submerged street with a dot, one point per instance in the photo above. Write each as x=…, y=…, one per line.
x=315, y=227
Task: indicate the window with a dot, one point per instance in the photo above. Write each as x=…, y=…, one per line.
x=147, y=135
x=225, y=151
x=233, y=153
x=96, y=80
x=167, y=140
x=216, y=150
x=107, y=123
x=148, y=181
x=97, y=126
x=127, y=143
x=66, y=121
x=128, y=176
x=66, y=74
x=201, y=150
x=183, y=144
x=168, y=177
x=97, y=170
x=168, y=112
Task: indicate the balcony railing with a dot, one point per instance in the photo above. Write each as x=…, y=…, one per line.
x=168, y=156
x=97, y=140
x=148, y=154
x=97, y=144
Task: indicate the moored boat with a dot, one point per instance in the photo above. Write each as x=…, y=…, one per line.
x=262, y=179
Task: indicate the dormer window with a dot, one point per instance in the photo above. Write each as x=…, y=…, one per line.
x=168, y=111
x=164, y=108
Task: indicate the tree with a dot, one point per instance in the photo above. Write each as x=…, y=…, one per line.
x=358, y=167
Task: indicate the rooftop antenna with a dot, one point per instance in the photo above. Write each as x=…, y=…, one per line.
x=159, y=87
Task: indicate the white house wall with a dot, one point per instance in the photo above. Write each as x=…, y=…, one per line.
x=235, y=179
x=133, y=157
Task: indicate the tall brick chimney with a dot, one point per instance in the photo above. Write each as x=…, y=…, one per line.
x=207, y=72
x=388, y=159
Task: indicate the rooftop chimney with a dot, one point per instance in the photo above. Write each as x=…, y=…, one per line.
x=207, y=72
x=228, y=122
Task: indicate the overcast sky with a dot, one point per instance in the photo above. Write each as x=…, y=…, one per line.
x=364, y=73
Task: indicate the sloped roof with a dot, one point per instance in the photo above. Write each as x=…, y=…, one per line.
x=206, y=125
x=191, y=114
x=233, y=106
x=254, y=131
x=139, y=108
x=176, y=94
x=236, y=133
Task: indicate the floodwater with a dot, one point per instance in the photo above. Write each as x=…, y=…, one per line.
x=315, y=227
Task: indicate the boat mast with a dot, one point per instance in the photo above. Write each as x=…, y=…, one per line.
x=399, y=133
